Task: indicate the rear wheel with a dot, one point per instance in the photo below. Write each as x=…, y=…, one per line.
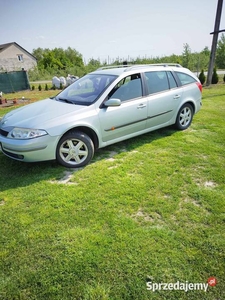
x=75, y=149
x=184, y=117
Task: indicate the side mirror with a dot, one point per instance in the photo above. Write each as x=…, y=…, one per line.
x=112, y=102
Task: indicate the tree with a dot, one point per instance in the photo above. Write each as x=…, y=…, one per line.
x=204, y=57
x=50, y=61
x=74, y=57
x=93, y=65
x=205, y=51
x=186, y=56
x=60, y=55
x=202, y=77
x=215, y=77
x=39, y=53
x=57, y=59
x=220, y=53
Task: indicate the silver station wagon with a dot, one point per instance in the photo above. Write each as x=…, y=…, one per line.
x=104, y=107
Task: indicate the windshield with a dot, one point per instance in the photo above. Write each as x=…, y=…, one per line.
x=86, y=90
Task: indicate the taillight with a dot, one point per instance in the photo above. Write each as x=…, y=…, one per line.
x=199, y=86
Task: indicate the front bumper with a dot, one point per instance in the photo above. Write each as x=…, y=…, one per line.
x=30, y=150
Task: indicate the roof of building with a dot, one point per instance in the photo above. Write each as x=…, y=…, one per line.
x=5, y=46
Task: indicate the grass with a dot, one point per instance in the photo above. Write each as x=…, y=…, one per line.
x=147, y=209
x=31, y=95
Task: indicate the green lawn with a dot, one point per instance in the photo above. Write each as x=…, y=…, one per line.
x=147, y=209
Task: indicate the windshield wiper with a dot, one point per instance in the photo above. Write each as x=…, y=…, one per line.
x=65, y=100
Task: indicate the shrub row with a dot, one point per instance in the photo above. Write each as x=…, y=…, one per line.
x=215, y=77
x=46, y=88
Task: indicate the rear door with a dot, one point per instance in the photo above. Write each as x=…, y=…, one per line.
x=163, y=99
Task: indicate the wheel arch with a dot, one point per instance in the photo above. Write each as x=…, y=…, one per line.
x=191, y=103
x=87, y=130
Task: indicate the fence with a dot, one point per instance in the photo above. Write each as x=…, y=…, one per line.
x=11, y=82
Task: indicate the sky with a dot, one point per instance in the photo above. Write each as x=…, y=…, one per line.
x=110, y=29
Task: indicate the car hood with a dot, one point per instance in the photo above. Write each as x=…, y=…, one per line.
x=37, y=114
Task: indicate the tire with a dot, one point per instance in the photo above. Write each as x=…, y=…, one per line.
x=75, y=149
x=184, y=117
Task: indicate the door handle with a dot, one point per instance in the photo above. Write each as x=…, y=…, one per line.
x=176, y=97
x=141, y=106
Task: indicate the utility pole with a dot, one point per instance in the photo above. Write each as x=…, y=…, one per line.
x=214, y=42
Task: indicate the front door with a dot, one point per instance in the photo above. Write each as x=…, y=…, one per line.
x=128, y=118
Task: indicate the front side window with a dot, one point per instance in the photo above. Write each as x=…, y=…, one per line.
x=157, y=81
x=185, y=78
x=86, y=90
x=128, y=88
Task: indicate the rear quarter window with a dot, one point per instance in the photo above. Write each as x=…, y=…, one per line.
x=185, y=78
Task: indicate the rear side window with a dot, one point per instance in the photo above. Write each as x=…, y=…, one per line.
x=156, y=82
x=185, y=78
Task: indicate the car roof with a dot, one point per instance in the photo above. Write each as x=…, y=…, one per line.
x=118, y=70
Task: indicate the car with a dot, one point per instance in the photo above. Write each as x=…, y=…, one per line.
x=104, y=107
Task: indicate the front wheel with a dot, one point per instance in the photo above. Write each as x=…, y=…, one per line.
x=75, y=149
x=184, y=117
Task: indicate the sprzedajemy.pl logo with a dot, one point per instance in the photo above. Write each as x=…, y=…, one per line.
x=181, y=286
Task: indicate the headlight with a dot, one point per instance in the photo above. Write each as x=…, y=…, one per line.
x=25, y=133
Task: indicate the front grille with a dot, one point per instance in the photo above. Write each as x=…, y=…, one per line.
x=3, y=132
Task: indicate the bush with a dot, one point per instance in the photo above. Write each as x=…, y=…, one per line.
x=224, y=78
x=33, y=88
x=202, y=77
x=39, y=87
x=215, y=77
x=39, y=74
x=46, y=87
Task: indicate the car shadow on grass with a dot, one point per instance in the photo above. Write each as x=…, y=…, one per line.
x=132, y=144
x=15, y=174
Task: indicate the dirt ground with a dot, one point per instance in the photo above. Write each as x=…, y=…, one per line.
x=13, y=102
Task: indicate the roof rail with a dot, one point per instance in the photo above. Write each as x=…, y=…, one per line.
x=130, y=67
x=114, y=67
x=153, y=65
x=167, y=64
